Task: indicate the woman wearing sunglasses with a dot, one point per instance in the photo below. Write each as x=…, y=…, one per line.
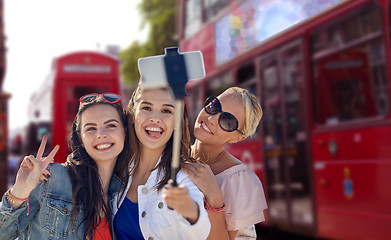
x=234, y=195
x=75, y=202
x=151, y=208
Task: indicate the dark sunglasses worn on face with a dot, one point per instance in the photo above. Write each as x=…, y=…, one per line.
x=108, y=97
x=227, y=121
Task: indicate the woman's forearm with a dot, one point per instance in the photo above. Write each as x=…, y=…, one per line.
x=16, y=196
x=8, y=219
x=218, y=226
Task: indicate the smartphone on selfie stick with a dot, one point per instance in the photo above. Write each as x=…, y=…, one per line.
x=172, y=71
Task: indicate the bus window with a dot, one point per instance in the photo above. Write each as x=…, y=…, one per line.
x=349, y=80
x=213, y=7
x=273, y=139
x=285, y=141
x=34, y=133
x=219, y=84
x=295, y=140
x=195, y=102
x=246, y=78
x=193, y=18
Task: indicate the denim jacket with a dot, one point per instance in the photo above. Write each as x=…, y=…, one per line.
x=49, y=215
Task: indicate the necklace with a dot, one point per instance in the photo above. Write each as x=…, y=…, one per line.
x=206, y=157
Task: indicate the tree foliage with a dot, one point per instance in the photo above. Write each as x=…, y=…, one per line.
x=160, y=17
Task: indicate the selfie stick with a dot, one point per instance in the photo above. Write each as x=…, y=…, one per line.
x=173, y=70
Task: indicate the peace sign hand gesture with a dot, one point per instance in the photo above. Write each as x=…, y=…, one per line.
x=31, y=170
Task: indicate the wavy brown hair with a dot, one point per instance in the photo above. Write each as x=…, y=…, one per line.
x=164, y=166
x=88, y=195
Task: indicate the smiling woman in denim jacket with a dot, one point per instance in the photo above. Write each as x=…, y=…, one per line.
x=75, y=202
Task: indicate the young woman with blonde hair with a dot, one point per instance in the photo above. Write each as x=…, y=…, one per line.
x=234, y=195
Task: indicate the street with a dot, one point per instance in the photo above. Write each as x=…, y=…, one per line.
x=274, y=234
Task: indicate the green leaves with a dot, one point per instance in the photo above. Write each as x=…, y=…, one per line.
x=160, y=17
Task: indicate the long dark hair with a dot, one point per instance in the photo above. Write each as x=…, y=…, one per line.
x=88, y=192
x=164, y=166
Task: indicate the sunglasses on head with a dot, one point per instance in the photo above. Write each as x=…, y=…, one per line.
x=227, y=121
x=108, y=97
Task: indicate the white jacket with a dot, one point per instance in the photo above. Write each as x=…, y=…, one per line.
x=157, y=221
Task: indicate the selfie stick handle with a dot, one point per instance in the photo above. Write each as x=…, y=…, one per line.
x=177, y=78
x=177, y=140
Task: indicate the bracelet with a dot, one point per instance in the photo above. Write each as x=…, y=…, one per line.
x=209, y=208
x=12, y=199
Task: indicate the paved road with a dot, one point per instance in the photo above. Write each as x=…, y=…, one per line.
x=272, y=234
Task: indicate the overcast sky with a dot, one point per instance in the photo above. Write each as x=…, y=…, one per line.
x=39, y=30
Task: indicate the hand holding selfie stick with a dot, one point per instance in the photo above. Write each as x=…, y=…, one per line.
x=172, y=71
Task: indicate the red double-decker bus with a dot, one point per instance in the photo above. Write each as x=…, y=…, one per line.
x=322, y=72
x=53, y=107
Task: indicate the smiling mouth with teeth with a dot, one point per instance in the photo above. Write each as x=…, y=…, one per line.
x=103, y=146
x=154, y=131
x=203, y=125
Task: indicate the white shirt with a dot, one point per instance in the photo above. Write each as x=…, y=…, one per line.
x=244, y=200
x=157, y=221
